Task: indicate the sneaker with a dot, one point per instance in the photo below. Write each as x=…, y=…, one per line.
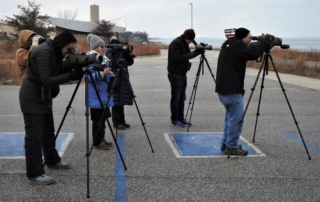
x=120, y=127
x=223, y=146
x=185, y=123
x=61, y=165
x=107, y=143
x=236, y=152
x=42, y=180
x=177, y=124
x=126, y=125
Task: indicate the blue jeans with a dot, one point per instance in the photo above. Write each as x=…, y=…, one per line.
x=233, y=104
x=178, y=95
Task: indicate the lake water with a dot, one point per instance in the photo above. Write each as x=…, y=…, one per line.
x=295, y=43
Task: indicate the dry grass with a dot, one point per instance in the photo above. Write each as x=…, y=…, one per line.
x=143, y=50
x=9, y=70
x=303, y=63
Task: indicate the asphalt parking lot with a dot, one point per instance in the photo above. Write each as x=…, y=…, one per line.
x=279, y=168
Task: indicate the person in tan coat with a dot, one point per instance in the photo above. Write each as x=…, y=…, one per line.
x=28, y=40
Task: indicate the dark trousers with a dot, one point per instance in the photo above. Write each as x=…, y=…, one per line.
x=39, y=137
x=98, y=125
x=118, y=115
x=178, y=95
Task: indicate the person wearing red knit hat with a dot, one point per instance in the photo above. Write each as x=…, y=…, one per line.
x=179, y=55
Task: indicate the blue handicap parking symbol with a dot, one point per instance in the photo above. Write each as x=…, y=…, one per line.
x=204, y=145
x=12, y=144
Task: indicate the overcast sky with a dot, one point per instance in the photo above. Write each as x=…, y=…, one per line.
x=169, y=18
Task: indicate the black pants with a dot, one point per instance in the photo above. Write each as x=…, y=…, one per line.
x=118, y=115
x=178, y=95
x=39, y=137
x=98, y=125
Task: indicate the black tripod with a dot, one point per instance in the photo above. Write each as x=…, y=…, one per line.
x=87, y=75
x=195, y=85
x=116, y=88
x=265, y=66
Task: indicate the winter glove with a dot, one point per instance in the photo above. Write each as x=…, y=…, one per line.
x=189, y=66
x=267, y=38
x=36, y=39
x=76, y=74
x=197, y=52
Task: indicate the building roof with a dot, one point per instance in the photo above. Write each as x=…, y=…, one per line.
x=80, y=26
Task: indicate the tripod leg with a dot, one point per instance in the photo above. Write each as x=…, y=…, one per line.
x=195, y=85
x=210, y=70
x=87, y=131
x=105, y=115
x=260, y=97
x=117, y=84
x=63, y=119
x=88, y=74
x=135, y=102
x=194, y=92
x=285, y=95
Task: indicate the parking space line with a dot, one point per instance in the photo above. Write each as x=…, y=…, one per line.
x=290, y=135
x=12, y=144
x=121, y=180
x=204, y=145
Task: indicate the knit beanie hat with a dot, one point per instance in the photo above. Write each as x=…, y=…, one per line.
x=189, y=34
x=95, y=41
x=241, y=33
x=113, y=38
x=115, y=41
x=63, y=39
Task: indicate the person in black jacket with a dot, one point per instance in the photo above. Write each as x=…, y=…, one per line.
x=178, y=65
x=39, y=87
x=124, y=96
x=234, y=54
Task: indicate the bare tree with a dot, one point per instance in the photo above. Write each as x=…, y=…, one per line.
x=103, y=28
x=146, y=35
x=68, y=14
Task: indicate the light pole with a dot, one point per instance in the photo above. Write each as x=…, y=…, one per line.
x=191, y=15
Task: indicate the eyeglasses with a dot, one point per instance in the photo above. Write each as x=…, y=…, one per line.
x=103, y=46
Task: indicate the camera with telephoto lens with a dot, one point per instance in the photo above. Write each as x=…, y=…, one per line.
x=41, y=40
x=275, y=42
x=77, y=59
